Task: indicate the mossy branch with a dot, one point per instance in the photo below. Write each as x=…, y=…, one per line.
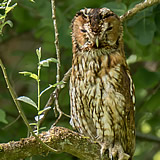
x=62, y=139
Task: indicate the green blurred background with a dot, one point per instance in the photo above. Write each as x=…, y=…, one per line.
x=33, y=28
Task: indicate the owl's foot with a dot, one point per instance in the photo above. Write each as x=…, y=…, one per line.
x=115, y=152
x=103, y=150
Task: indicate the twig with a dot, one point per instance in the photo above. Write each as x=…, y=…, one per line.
x=56, y=39
x=147, y=137
x=149, y=95
x=56, y=108
x=10, y=124
x=66, y=76
x=14, y=96
x=137, y=8
x=52, y=96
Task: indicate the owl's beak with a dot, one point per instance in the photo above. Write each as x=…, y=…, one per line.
x=97, y=42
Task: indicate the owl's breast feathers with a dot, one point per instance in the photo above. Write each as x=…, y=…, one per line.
x=102, y=98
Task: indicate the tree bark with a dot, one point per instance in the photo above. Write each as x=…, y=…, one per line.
x=59, y=138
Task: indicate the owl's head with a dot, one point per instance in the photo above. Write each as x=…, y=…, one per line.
x=95, y=29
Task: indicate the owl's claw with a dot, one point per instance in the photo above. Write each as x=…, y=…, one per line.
x=111, y=157
x=103, y=149
x=117, y=151
x=114, y=152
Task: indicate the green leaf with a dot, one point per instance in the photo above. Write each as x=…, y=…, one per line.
x=38, y=51
x=24, y=20
x=147, y=12
x=54, y=85
x=27, y=100
x=144, y=31
x=2, y=17
x=50, y=86
x=117, y=7
x=32, y=1
x=143, y=25
x=157, y=21
x=144, y=79
x=2, y=25
x=132, y=59
x=37, y=118
x=8, y=9
x=47, y=108
x=154, y=102
x=42, y=128
x=3, y=117
x=30, y=74
x=2, y=5
x=9, y=23
x=45, y=63
x=33, y=124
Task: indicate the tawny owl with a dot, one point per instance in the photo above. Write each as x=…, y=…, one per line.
x=101, y=89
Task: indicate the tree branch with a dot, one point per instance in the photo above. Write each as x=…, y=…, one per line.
x=59, y=138
x=56, y=108
x=147, y=137
x=137, y=8
x=56, y=39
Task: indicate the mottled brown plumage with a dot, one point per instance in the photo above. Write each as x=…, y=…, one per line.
x=101, y=89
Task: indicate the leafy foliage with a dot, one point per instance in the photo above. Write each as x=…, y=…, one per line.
x=5, y=6
x=27, y=100
x=43, y=63
x=119, y=8
x=33, y=28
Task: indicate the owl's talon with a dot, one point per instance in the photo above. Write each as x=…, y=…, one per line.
x=124, y=156
x=111, y=157
x=102, y=151
x=110, y=153
x=117, y=151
